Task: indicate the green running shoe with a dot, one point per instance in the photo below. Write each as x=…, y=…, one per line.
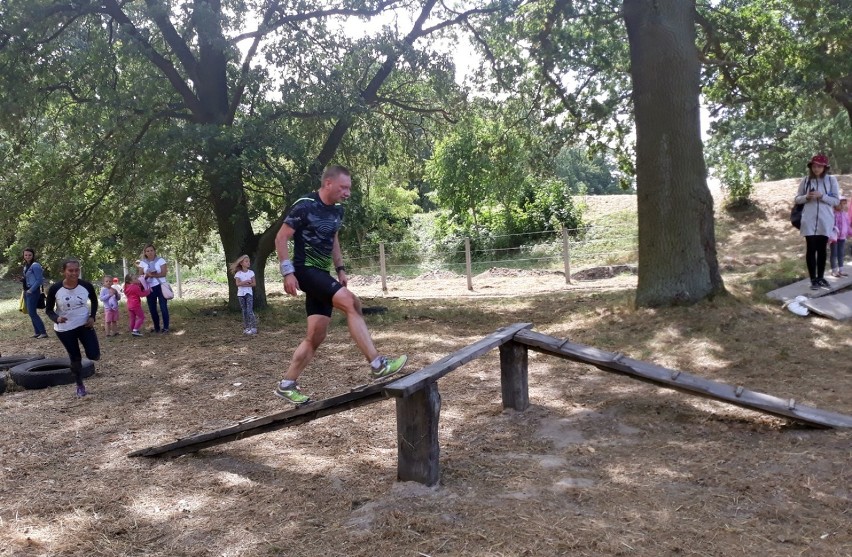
x=292, y=394
x=388, y=367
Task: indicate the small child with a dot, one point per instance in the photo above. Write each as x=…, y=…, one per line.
x=116, y=286
x=135, y=288
x=244, y=278
x=110, y=299
x=841, y=231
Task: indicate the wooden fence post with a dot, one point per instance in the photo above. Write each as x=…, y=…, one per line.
x=417, y=436
x=467, y=263
x=179, y=290
x=566, y=255
x=382, y=266
x=514, y=381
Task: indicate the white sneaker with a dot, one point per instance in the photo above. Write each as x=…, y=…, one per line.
x=252, y=331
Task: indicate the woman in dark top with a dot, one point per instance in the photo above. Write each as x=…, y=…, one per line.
x=74, y=321
x=32, y=280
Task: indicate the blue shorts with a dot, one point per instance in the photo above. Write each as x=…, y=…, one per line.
x=319, y=288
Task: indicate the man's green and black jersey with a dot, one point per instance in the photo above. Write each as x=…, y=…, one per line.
x=315, y=224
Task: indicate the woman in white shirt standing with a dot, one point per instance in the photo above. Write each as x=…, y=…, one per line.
x=74, y=320
x=155, y=269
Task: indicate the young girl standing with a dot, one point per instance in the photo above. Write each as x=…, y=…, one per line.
x=244, y=278
x=109, y=296
x=135, y=288
x=841, y=229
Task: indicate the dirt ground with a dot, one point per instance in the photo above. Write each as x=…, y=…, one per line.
x=598, y=465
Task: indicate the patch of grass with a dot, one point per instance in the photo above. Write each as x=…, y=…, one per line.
x=776, y=275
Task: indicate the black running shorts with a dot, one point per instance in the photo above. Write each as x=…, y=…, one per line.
x=319, y=288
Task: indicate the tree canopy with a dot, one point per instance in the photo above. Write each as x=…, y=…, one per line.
x=151, y=120
x=151, y=116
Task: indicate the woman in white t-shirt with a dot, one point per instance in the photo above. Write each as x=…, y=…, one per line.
x=155, y=269
x=74, y=319
x=244, y=278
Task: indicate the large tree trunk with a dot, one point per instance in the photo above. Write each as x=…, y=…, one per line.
x=841, y=91
x=227, y=195
x=677, y=245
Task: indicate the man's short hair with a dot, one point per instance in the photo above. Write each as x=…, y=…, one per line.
x=334, y=171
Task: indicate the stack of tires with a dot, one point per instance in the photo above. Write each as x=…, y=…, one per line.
x=37, y=372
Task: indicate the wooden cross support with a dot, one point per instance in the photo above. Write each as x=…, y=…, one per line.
x=418, y=403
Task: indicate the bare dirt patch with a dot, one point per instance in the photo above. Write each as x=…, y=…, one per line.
x=599, y=465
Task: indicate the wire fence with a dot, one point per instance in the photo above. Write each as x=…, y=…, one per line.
x=572, y=250
x=568, y=252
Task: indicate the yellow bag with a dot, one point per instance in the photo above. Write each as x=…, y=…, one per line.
x=23, y=307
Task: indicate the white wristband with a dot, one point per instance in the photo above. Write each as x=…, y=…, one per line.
x=286, y=268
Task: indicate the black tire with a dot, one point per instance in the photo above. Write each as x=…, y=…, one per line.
x=3, y=375
x=48, y=373
x=7, y=362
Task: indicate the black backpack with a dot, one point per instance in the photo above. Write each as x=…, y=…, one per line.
x=796, y=212
x=796, y=215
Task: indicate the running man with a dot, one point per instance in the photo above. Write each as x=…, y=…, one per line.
x=313, y=223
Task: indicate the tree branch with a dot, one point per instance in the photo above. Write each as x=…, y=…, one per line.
x=159, y=13
x=416, y=109
x=263, y=30
x=192, y=102
x=489, y=56
x=242, y=82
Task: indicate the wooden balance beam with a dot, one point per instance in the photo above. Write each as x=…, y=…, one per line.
x=326, y=407
x=418, y=402
x=683, y=382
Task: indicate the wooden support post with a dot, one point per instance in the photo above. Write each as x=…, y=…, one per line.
x=382, y=267
x=467, y=263
x=566, y=255
x=417, y=436
x=514, y=383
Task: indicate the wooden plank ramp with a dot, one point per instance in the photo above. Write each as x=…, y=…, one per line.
x=684, y=382
x=836, y=306
x=255, y=426
x=359, y=396
x=413, y=382
x=803, y=288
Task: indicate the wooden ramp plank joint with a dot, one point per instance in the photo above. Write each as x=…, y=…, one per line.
x=415, y=381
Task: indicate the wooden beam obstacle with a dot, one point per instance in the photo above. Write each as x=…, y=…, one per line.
x=684, y=382
x=418, y=402
x=326, y=407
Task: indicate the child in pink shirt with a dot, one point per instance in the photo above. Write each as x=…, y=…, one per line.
x=842, y=231
x=134, y=289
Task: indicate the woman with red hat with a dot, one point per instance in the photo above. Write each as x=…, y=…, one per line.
x=819, y=193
